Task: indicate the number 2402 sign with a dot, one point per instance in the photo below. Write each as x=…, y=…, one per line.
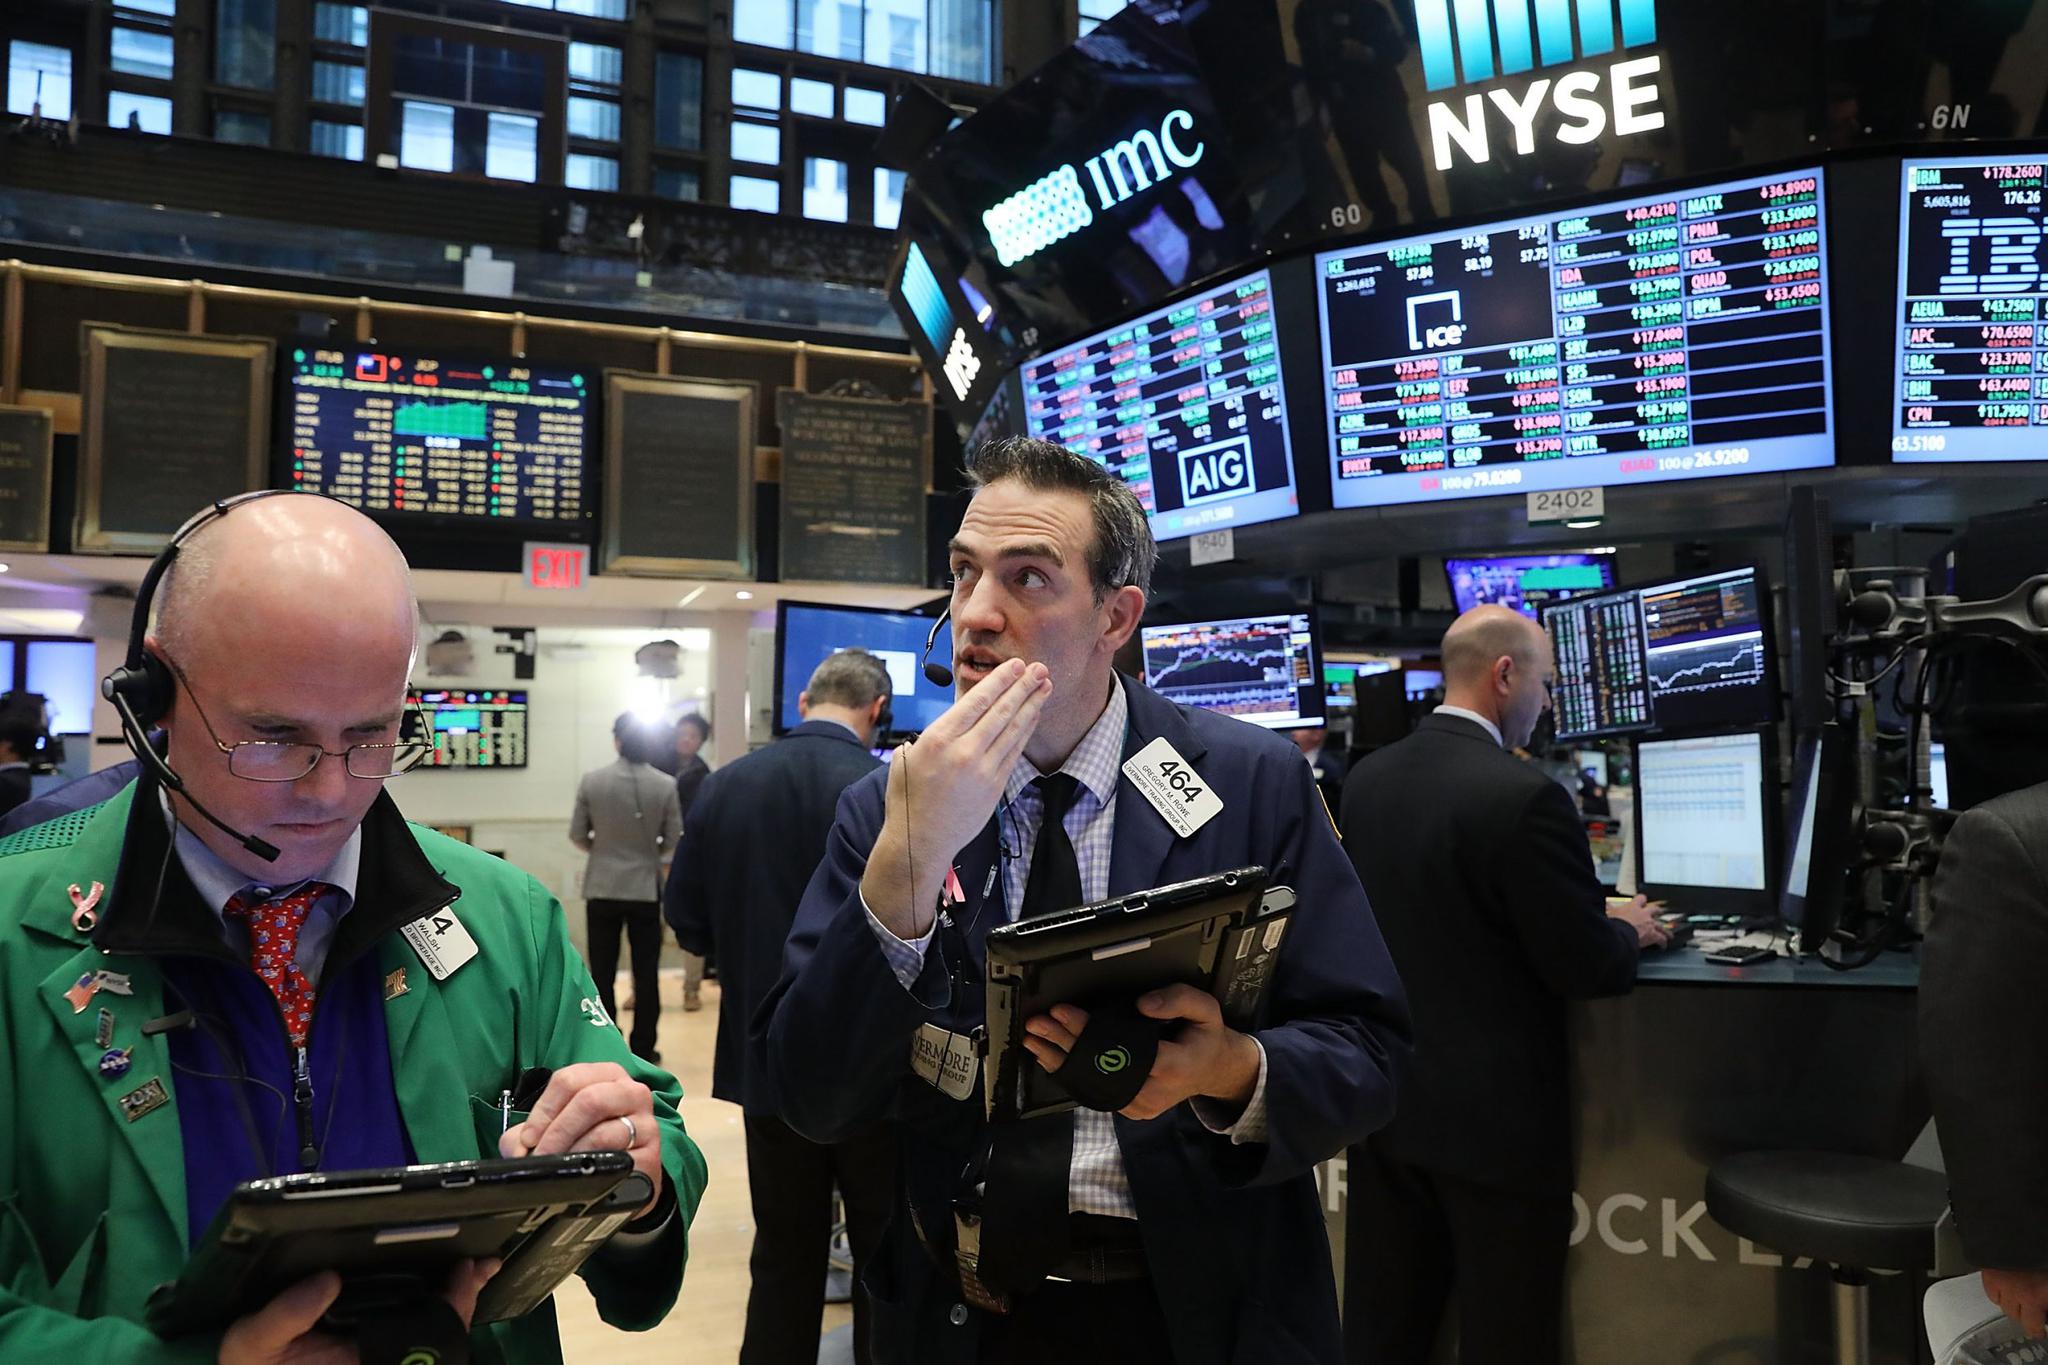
x=1567, y=504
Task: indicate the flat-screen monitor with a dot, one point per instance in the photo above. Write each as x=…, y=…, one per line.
x=1262, y=669
x=1418, y=683
x=1970, y=311
x=1663, y=337
x=1937, y=773
x=1703, y=817
x=406, y=435
x=808, y=633
x=474, y=729
x=1340, y=679
x=1690, y=654
x=1526, y=582
x=1817, y=812
x=1184, y=404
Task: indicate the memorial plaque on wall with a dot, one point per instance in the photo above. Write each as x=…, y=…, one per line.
x=678, y=477
x=24, y=478
x=853, y=489
x=170, y=422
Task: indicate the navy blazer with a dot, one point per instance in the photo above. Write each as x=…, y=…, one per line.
x=754, y=834
x=1234, y=1234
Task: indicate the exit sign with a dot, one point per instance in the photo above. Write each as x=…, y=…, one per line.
x=556, y=567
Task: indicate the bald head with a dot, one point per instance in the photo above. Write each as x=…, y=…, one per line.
x=1497, y=664
x=284, y=572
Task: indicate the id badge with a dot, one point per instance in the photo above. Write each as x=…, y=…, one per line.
x=946, y=1060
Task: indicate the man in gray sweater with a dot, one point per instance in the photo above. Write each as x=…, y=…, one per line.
x=629, y=822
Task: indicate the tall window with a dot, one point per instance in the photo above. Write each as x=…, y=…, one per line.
x=245, y=43
x=38, y=74
x=950, y=38
x=341, y=34
x=471, y=108
x=679, y=101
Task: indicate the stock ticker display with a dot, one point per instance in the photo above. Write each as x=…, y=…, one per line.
x=391, y=433
x=1972, y=355
x=1685, y=655
x=475, y=729
x=1659, y=338
x=1258, y=668
x=1184, y=404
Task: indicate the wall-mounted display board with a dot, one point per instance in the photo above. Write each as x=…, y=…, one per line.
x=679, y=477
x=25, y=478
x=853, y=489
x=170, y=422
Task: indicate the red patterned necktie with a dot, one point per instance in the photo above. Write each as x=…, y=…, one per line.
x=273, y=947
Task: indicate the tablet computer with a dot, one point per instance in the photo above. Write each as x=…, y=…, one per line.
x=1220, y=933
x=388, y=1231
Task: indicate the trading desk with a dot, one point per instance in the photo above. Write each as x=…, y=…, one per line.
x=1699, y=1062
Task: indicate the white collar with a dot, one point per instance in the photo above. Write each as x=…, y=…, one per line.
x=1481, y=721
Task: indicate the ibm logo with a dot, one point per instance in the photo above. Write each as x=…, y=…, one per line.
x=1056, y=206
x=1522, y=46
x=2012, y=248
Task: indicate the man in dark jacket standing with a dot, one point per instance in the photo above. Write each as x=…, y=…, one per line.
x=1478, y=868
x=754, y=834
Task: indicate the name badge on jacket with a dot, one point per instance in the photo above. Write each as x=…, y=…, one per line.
x=1181, y=795
x=944, y=1059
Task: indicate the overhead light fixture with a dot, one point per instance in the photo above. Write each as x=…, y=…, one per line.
x=744, y=596
x=1583, y=525
x=692, y=595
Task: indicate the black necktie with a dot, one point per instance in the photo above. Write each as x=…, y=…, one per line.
x=1024, y=1231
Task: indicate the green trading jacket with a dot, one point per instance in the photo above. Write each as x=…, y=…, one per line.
x=92, y=1205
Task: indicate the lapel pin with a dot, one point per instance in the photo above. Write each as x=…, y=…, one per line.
x=103, y=1034
x=81, y=992
x=84, y=914
x=394, y=984
x=114, y=1062
x=146, y=1098
x=116, y=983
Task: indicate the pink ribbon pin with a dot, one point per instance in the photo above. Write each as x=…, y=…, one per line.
x=954, y=895
x=83, y=917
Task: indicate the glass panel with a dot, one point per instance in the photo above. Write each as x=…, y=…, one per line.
x=895, y=34
x=427, y=64
x=765, y=22
x=756, y=89
x=751, y=192
x=166, y=8
x=245, y=44
x=63, y=671
x=136, y=53
x=962, y=41
x=235, y=125
x=830, y=28
x=760, y=142
x=426, y=138
x=512, y=151
x=810, y=97
x=343, y=140
x=38, y=73
x=507, y=79
x=338, y=83
x=679, y=100
x=866, y=106
x=144, y=113
x=596, y=9
x=594, y=119
x=590, y=172
x=596, y=64
x=824, y=189
x=348, y=24
x=671, y=183
x=888, y=197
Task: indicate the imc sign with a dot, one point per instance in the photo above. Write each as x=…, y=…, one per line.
x=1058, y=205
x=1460, y=39
x=1214, y=472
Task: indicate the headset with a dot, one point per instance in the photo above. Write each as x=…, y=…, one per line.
x=142, y=688
x=937, y=674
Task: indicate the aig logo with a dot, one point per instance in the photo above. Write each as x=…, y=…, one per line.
x=1565, y=31
x=1209, y=473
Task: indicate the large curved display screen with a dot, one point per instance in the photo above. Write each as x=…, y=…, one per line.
x=1971, y=364
x=1184, y=404
x=1665, y=337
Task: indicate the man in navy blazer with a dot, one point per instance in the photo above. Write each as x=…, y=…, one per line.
x=754, y=833
x=1192, y=1230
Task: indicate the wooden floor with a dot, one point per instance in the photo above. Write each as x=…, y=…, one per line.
x=706, y=1324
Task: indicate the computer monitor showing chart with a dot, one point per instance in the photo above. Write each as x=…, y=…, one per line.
x=1258, y=668
x=1704, y=822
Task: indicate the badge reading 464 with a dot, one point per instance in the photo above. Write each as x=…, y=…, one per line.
x=1181, y=795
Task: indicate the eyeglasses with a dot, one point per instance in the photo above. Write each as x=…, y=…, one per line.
x=263, y=760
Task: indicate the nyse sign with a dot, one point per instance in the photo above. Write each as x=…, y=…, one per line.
x=1628, y=94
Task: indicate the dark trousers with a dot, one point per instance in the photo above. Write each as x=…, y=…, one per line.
x=790, y=1179
x=642, y=923
x=1080, y=1324
x=1416, y=1240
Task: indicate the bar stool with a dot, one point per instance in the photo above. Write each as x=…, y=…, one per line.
x=1856, y=1213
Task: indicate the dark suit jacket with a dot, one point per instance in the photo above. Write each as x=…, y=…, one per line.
x=89, y=790
x=752, y=839
x=1478, y=868
x=1984, y=1027
x=1234, y=1234
x=690, y=782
